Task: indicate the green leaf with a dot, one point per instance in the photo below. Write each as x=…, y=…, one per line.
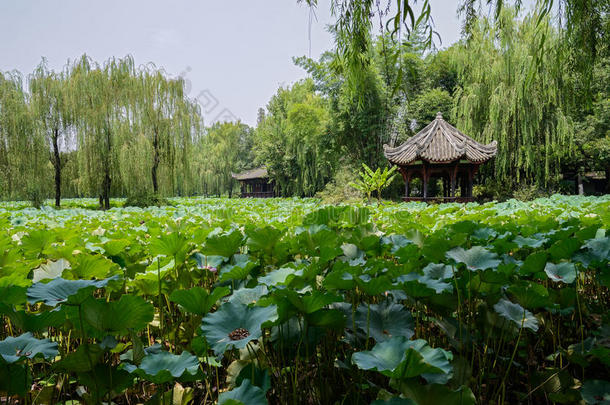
x=534, y=263
x=197, y=300
x=476, y=258
x=170, y=245
x=530, y=294
x=222, y=244
x=596, y=392
x=517, y=314
x=59, y=290
x=163, y=367
x=384, y=321
x=564, y=272
x=401, y=358
x=129, y=312
x=434, y=394
x=245, y=394
x=92, y=266
x=599, y=248
x=13, y=349
x=15, y=379
x=564, y=249
x=82, y=360
x=223, y=328
x=50, y=270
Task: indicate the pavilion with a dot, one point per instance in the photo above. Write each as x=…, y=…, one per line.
x=440, y=151
x=255, y=183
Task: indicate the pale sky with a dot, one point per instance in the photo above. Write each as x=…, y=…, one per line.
x=233, y=54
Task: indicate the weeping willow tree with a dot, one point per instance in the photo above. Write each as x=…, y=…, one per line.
x=103, y=101
x=22, y=151
x=503, y=96
x=164, y=118
x=49, y=102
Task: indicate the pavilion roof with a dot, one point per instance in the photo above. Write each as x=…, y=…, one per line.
x=440, y=142
x=258, y=173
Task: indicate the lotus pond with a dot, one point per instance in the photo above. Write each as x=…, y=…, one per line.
x=286, y=301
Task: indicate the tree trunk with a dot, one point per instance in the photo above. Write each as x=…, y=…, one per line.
x=107, y=180
x=155, y=164
x=608, y=179
x=57, y=166
x=581, y=188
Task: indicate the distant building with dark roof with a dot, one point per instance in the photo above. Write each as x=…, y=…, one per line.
x=255, y=183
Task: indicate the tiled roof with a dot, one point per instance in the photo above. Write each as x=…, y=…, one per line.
x=440, y=142
x=259, y=172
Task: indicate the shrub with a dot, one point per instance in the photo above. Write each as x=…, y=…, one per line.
x=36, y=197
x=144, y=200
x=338, y=189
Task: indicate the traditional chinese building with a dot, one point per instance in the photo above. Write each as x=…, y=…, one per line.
x=440, y=151
x=255, y=183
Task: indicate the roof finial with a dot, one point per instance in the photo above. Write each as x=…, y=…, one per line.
x=439, y=115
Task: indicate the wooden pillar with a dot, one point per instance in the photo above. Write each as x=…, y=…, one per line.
x=453, y=178
x=470, y=178
x=425, y=181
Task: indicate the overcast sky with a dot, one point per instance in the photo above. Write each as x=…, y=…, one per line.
x=233, y=54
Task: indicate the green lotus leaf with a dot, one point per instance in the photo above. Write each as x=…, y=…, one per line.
x=277, y=277
x=238, y=271
x=339, y=280
x=374, y=285
x=163, y=367
x=60, y=290
x=171, y=245
x=197, y=300
x=596, y=392
x=233, y=325
x=92, y=266
x=529, y=242
x=564, y=249
x=82, y=360
x=438, y=271
x=129, y=312
x=534, y=263
x=248, y=296
x=222, y=244
x=401, y=358
x=434, y=394
x=245, y=394
x=599, y=248
x=210, y=261
x=15, y=379
x=263, y=238
x=13, y=349
x=50, y=270
x=384, y=321
x=530, y=294
x=564, y=272
x=517, y=314
x=475, y=258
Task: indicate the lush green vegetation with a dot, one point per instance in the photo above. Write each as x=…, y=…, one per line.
x=286, y=301
x=116, y=129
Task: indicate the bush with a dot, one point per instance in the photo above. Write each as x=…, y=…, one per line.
x=144, y=200
x=338, y=189
x=530, y=192
x=36, y=197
